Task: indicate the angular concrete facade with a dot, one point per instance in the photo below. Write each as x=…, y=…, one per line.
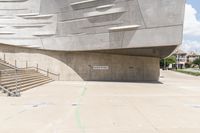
x=119, y=40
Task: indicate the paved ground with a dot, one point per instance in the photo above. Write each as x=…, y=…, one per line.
x=171, y=106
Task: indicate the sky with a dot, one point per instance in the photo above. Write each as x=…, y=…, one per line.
x=191, y=40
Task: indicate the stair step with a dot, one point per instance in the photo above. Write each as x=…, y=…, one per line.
x=26, y=78
x=12, y=75
x=8, y=73
x=17, y=73
x=21, y=80
x=14, y=71
x=2, y=61
x=25, y=82
x=18, y=76
x=36, y=85
x=7, y=64
x=29, y=84
x=20, y=70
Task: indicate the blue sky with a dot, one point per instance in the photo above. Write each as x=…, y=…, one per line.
x=191, y=41
x=196, y=5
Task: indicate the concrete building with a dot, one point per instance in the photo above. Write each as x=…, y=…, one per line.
x=192, y=56
x=181, y=58
x=110, y=40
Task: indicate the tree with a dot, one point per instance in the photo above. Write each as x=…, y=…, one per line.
x=197, y=62
x=170, y=60
x=166, y=61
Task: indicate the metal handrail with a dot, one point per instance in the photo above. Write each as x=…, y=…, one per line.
x=15, y=69
x=8, y=70
x=11, y=93
x=44, y=71
x=17, y=92
x=8, y=65
x=36, y=68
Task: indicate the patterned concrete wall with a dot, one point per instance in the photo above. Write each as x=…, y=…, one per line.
x=84, y=65
x=81, y=25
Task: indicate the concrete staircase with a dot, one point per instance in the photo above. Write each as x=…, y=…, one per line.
x=5, y=65
x=13, y=81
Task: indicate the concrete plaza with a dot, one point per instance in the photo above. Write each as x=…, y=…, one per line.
x=170, y=106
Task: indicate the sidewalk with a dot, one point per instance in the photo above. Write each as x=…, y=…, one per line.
x=172, y=106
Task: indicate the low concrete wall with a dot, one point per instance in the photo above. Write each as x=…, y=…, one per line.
x=85, y=65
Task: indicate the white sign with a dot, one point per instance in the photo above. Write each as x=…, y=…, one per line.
x=100, y=67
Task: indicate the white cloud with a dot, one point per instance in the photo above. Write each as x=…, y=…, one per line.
x=191, y=30
x=192, y=24
x=189, y=45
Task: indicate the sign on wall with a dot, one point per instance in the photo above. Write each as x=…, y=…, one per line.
x=100, y=67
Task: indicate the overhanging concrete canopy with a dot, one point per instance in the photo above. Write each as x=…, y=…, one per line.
x=85, y=25
x=110, y=40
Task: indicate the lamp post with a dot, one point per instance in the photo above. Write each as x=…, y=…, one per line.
x=177, y=61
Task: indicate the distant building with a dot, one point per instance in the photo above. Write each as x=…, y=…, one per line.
x=192, y=56
x=183, y=57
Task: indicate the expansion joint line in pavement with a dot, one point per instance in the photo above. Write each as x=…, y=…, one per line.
x=77, y=111
x=149, y=121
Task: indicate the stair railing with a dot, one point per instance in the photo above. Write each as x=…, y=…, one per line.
x=54, y=76
x=16, y=91
x=14, y=68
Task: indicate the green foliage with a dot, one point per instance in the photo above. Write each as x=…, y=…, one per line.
x=188, y=65
x=170, y=60
x=197, y=62
x=162, y=63
x=187, y=72
x=167, y=61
